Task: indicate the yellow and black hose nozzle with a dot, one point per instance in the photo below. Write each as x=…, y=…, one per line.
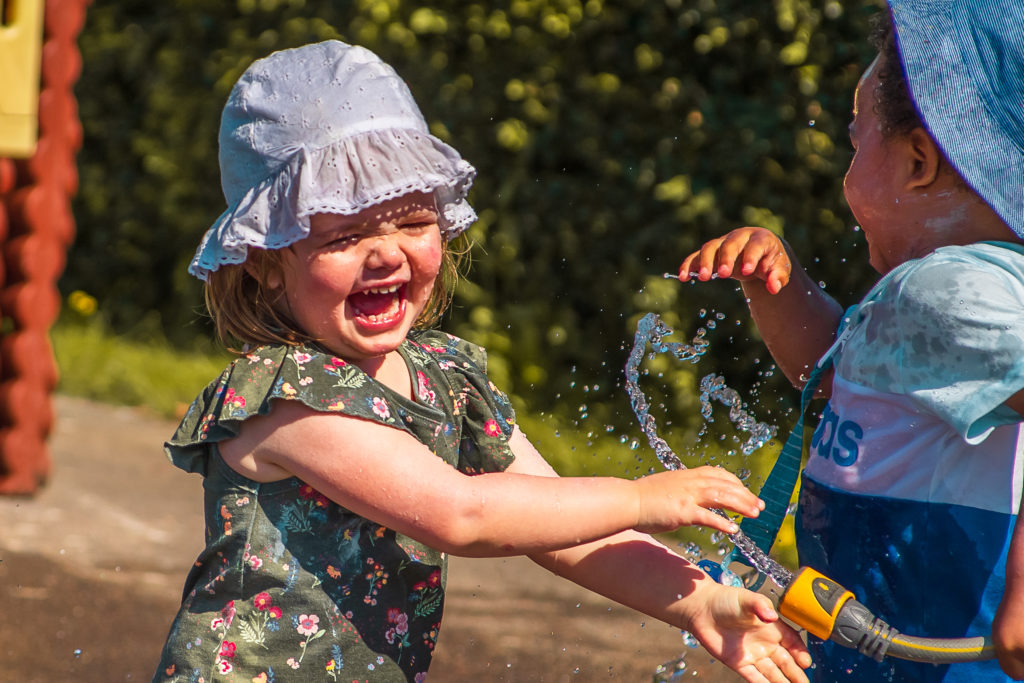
x=829, y=611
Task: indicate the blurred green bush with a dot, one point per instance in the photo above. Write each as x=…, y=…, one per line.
x=611, y=139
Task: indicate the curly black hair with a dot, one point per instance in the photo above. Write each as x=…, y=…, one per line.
x=893, y=104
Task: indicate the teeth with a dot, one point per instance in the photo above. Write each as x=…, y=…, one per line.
x=383, y=290
x=387, y=315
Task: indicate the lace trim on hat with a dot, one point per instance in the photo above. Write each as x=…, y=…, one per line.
x=345, y=177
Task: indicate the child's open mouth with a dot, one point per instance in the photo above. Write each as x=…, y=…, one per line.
x=378, y=306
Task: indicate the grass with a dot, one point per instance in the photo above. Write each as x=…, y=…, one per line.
x=97, y=365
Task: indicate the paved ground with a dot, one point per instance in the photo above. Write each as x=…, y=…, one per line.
x=91, y=572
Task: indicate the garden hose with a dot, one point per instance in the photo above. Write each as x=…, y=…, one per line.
x=823, y=607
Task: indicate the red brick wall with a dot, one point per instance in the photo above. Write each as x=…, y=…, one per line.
x=36, y=230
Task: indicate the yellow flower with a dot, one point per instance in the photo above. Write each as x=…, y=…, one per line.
x=82, y=303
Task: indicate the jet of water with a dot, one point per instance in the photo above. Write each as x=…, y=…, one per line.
x=650, y=332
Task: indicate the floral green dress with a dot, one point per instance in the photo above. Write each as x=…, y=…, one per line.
x=292, y=586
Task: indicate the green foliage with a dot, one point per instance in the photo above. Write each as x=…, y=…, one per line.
x=97, y=365
x=611, y=139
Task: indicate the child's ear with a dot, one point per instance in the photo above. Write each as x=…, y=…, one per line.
x=270, y=279
x=926, y=159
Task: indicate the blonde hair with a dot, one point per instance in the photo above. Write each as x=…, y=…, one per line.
x=245, y=310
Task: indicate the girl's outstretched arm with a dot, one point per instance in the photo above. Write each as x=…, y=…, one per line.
x=386, y=475
x=737, y=626
x=796, y=318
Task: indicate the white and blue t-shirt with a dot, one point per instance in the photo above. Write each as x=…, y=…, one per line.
x=914, y=478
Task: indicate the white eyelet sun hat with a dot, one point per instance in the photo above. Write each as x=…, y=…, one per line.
x=964, y=65
x=323, y=128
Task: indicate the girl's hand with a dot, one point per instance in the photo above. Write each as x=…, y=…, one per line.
x=743, y=254
x=669, y=500
x=743, y=630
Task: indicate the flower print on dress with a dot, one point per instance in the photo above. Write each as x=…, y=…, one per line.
x=377, y=578
x=423, y=390
x=430, y=636
x=254, y=625
x=306, y=511
x=492, y=428
x=330, y=669
x=346, y=376
x=427, y=595
x=380, y=407
x=234, y=404
x=307, y=492
x=397, y=632
x=307, y=625
x=291, y=565
x=204, y=426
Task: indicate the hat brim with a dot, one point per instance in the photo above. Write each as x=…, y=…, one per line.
x=946, y=71
x=338, y=178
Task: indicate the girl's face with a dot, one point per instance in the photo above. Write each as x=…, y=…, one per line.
x=871, y=186
x=358, y=283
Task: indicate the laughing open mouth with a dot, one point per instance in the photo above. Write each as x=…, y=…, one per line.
x=378, y=306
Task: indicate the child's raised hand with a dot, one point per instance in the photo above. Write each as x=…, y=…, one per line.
x=743, y=254
x=669, y=500
x=743, y=630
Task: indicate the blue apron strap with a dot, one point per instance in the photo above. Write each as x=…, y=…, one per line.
x=781, y=482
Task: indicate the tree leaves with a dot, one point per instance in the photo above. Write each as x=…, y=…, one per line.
x=611, y=139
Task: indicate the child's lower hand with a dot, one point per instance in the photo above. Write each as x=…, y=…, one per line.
x=669, y=500
x=743, y=254
x=743, y=630
x=1008, y=637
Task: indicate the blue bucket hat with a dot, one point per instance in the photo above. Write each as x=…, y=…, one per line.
x=323, y=128
x=964, y=65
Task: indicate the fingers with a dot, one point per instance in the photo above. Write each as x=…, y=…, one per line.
x=791, y=643
x=779, y=667
x=716, y=487
x=796, y=648
x=743, y=254
x=763, y=608
x=786, y=668
x=704, y=517
x=668, y=500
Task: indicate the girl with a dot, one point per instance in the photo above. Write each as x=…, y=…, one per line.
x=346, y=454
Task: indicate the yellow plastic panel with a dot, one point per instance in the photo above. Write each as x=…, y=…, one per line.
x=21, y=38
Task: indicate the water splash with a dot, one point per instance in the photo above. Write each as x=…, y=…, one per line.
x=713, y=388
x=671, y=671
x=651, y=331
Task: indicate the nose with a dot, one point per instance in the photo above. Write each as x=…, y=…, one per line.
x=385, y=251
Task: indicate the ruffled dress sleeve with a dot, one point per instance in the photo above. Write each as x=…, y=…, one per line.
x=483, y=411
x=458, y=412
x=320, y=380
